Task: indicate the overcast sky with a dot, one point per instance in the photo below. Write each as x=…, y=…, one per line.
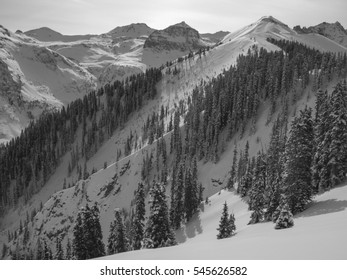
x=100, y=16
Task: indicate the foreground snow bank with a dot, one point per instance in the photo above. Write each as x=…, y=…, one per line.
x=318, y=233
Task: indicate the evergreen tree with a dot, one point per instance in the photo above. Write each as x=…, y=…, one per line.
x=117, y=241
x=231, y=180
x=226, y=224
x=68, y=254
x=79, y=241
x=285, y=216
x=39, y=250
x=177, y=205
x=95, y=245
x=158, y=232
x=299, y=153
x=139, y=217
x=59, y=254
x=337, y=163
x=87, y=242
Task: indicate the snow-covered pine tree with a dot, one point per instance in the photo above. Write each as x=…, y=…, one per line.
x=297, y=179
x=158, y=232
x=285, y=217
x=274, y=168
x=321, y=125
x=230, y=184
x=117, y=241
x=139, y=217
x=227, y=224
x=191, y=199
x=337, y=163
x=256, y=193
x=177, y=205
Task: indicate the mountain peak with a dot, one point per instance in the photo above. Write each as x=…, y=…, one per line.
x=131, y=30
x=270, y=19
x=182, y=24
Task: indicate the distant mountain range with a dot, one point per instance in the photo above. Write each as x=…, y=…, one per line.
x=43, y=69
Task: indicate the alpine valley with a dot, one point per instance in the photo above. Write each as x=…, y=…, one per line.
x=170, y=144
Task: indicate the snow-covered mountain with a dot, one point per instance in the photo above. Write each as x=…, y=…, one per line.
x=173, y=42
x=35, y=79
x=214, y=37
x=45, y=34
x=334, y=31
x=52, y=69
x=131, y=49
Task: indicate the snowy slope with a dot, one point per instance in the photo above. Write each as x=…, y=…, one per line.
x=40, y=79
x=334, y=31
x=171, y=90
x=318, y=233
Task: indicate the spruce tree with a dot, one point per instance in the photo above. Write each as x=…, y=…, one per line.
x=158, y=231
x=59, y=254
x=337, y=163
x=226, y=224
x=117, y=241
x=68, y=254
x=79, y=241
x=297, y=179
x=96, y=247
x=285, y=217
x=39, y=250
x=256, y=194
x=139, y=217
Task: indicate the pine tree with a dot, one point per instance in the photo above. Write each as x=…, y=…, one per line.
x=226, y=224
x=68, y=254
x=87, y=242
x=230, y=184
x=117, y=241
x=177, y=205
x=96, y=247
x=285, y=218
x=320, y=177
x=337, y=163
x=39, y=250
x=158, y=232
x=59, y=254
x=139, y=217
x=297, y=179
x=79, y=241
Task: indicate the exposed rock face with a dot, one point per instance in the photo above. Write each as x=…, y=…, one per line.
x=134, y=30
x=179, y=37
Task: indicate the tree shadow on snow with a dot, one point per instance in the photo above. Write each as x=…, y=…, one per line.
x=190, y=230
x=323, y=207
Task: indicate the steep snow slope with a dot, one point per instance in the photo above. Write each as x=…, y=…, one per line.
x=40, y=79
x=334, y=31
x=318, y=233
x=214, y=37
x=171, y=90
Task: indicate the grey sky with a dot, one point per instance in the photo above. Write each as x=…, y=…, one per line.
x=99, y=16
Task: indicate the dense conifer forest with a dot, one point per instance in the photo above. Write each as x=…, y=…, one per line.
x=306, y=155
